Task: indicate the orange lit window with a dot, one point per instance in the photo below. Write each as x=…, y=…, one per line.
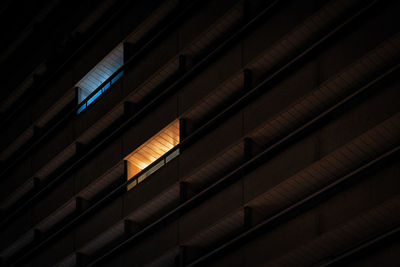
x=152, y=150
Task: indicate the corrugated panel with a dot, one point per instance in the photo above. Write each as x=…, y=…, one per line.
x=352, y=233
x=217, y=166
x=101, y=125
x=56, y=108
x=18, y=244
x=150, y=208
x=18, y=142
x=216, y=30
x=67, y=209
x=154, y=81
x=141, y=215
x=102, y=182
x=69, y=261
x=205, y=39
x=56, y=162
x=335, y=88
x=65, y=155
x=101, y=72
x=166, y=259
x=218, y=230
x=17, y=194
x=381, y=139
x=366, y=147
x=6, y=103
x=208, y=236
x=94, y=16
x=56, y=216
x=29, y=29
x=302, y=35
x=216, y=98
x=103, y=239
x=45, y=118
x=157, y=16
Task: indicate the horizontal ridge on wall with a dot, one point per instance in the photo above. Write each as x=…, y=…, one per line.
x=94, y=131
x=324, y=113
x=375, y=144
x=119, y=110
x=134, y=38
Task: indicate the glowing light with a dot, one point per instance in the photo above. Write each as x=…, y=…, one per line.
x=98, y=75
x=152, y=150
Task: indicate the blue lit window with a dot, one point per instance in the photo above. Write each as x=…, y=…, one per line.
x=98, y=75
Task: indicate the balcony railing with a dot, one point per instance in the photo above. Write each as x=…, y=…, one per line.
x=153, y=167
x=100, y=90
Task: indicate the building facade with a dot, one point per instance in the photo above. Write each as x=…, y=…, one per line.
x=200, y=133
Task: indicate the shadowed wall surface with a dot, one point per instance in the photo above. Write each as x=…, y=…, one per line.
x=214, y=133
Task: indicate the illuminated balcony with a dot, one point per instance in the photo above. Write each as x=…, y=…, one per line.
x=92, y=85
x=151, y=151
